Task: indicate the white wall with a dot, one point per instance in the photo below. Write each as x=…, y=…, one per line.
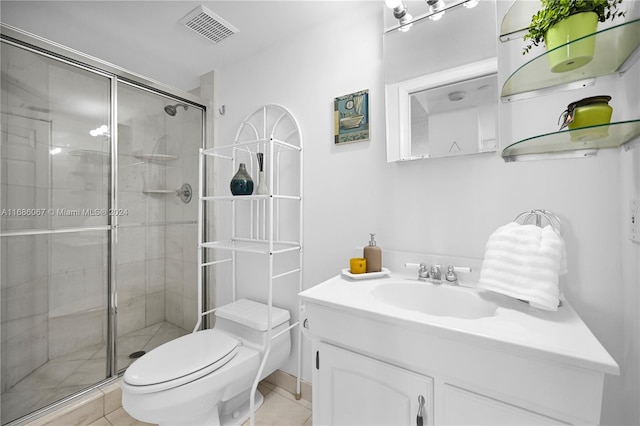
x=305, y=74
x=451, y=206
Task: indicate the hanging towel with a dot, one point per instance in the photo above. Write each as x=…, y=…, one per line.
x=525, y=262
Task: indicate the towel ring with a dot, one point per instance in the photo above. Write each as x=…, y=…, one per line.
x=552, y=219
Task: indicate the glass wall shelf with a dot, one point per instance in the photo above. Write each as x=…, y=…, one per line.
x=582, y=142
x=517, y=19
x=617, y=48
x=157, y=158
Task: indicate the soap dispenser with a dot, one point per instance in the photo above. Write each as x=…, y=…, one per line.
x=373, y=254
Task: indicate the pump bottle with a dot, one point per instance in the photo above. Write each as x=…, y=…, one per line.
x=373, y=254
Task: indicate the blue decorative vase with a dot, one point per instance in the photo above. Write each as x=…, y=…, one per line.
x=242, y=184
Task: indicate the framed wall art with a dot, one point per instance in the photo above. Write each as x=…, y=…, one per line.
x=351, y=117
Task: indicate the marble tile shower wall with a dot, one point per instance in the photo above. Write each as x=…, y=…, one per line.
x=181, y=240
x=156, y=262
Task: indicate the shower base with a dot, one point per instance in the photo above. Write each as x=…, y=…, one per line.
x=72, y=373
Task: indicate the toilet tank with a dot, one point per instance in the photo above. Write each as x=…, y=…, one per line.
x=247, y=320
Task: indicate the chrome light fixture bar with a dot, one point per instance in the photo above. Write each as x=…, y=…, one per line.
x=437, y=9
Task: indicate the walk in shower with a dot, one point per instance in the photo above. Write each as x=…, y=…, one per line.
x=97, y=223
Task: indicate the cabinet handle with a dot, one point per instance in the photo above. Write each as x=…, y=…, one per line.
x=419, y=418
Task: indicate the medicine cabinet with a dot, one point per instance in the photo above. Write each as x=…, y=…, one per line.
x=441, y=81
x=447, y=113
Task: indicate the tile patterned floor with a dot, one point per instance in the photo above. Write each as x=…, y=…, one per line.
x=69, y=374
x=280, y=408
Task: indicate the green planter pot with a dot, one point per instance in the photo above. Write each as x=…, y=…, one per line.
x=566, y=54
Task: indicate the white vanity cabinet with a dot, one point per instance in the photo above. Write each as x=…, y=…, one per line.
x=517, y=366
x=462, y=407
x=353, y=389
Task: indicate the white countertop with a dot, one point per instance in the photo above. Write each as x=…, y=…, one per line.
x=560, y=336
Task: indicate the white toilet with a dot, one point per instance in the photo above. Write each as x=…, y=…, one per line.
x=205, y=378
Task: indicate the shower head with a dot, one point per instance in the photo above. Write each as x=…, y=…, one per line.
x=172, y=110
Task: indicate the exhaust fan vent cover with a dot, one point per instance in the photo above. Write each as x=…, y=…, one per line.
x=208, y=24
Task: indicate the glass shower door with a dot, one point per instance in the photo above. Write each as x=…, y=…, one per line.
x=158, y=143
x=54, y=224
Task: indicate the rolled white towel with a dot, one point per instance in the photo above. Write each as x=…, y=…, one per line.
x=525, y=261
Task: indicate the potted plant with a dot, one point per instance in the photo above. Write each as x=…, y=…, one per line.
x=561, y=22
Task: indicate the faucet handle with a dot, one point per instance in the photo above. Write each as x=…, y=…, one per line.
x=423, y=271
x=451, y=276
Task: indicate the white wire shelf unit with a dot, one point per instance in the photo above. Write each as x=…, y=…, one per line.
x=269, y=224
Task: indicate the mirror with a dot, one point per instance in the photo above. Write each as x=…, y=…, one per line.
x=441, y=82
x=453, y=112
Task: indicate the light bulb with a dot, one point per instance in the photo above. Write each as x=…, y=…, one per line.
x=471, y=4
x=437, y=10
x=405, y=23
x=436, y=16
x=392, y=4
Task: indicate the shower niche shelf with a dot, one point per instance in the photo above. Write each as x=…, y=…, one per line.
x=89, y=174
x=91, y=155
x=617, y=49
x=582, y=142
x=156, y=158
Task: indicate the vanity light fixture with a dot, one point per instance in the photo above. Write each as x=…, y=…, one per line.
x=400, y=13
x=436, y=10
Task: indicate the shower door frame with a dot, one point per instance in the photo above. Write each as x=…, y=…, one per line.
x=115, y=74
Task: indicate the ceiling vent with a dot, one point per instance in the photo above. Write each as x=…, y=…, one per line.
x=208, y=24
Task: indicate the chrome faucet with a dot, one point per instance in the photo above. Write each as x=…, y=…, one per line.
x=435, y=275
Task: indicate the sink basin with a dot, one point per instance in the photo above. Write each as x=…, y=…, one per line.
x=440, y=300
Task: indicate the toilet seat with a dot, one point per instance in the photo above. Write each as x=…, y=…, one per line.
x=181, y=361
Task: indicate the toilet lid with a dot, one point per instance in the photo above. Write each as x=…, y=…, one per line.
x=191, y=356
x=252, y=314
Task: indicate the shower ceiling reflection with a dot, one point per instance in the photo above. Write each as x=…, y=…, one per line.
x=93, y=175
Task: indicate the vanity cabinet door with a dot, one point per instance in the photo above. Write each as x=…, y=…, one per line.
x=462, y=407
x=357, y=390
